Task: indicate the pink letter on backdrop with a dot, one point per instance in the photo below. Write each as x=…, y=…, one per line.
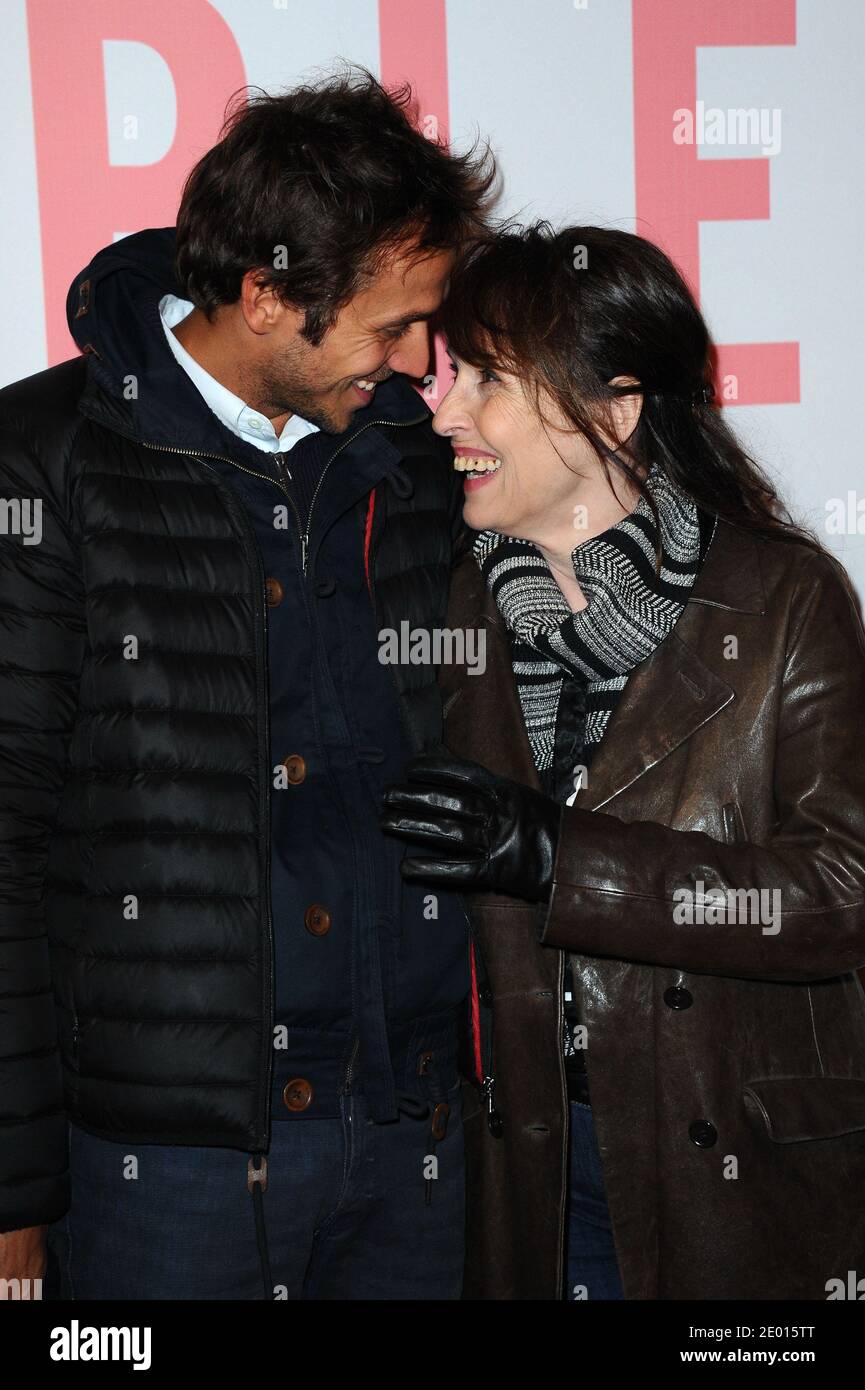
x=675, y=189
x=84, y=200
x=413, y=42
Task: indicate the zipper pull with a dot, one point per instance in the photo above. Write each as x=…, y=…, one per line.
x=494, y=1119
x=304, y=550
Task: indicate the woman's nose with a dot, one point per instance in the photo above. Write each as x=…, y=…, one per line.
x=451, y=415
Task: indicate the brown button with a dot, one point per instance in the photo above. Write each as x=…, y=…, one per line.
x=295, y=769
x=297, y=1094
x=316, y=919
x=440, y=1120
x=274, y=592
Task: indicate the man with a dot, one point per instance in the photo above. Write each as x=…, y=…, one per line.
x=228, y=1027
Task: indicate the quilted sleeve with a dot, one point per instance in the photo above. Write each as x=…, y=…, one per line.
x=42, y=635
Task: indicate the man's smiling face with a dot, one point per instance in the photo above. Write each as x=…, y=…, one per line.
x=382, y=330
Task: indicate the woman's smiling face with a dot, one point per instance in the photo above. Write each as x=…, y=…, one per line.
x=489, y=415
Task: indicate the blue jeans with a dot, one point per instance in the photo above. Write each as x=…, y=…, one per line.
x=592, y=1268
x=346, y=1214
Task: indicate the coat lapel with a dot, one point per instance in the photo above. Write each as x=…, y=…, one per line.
x=666, y=699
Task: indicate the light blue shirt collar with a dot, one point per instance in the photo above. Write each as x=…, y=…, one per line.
x=248, y=424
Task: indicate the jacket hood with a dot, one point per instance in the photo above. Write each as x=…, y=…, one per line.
x=135, y=385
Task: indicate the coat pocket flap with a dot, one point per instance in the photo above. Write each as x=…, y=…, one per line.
x=808, y=1107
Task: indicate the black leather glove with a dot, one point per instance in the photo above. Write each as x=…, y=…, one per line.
x=484, y=833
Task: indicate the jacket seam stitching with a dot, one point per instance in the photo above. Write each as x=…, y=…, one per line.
x=814, y=1032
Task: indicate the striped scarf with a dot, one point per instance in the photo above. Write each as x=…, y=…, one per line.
x=630, y=608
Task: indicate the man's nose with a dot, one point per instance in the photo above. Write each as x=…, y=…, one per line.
x=412, y=353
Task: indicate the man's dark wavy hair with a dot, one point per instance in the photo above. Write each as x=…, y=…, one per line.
x=316, y=187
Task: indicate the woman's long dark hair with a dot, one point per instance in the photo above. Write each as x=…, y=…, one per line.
x=567, y=312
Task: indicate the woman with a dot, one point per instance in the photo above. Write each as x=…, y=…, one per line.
x=655, y=796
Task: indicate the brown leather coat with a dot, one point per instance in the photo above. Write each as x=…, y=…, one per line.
x=726, y=1062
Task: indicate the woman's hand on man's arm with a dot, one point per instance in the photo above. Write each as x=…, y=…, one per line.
x=478, y=833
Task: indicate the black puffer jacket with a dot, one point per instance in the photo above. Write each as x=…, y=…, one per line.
x=163, y=762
